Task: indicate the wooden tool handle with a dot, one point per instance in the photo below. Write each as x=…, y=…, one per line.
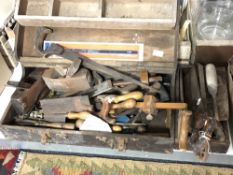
x=184, y=128
x=144, y=76
x=116, y=128
x=137, y=95
x=128, y=104
x=80, y=115
x=70, y=126
x=175, y=106
x=79, y=123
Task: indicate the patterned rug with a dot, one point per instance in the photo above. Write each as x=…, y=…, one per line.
x=46, y=164
x=7, y=161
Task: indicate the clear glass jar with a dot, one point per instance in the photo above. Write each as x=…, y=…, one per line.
x=215, y=21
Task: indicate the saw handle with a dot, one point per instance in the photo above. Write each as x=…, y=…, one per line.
x=137, y=95
x=128, y=104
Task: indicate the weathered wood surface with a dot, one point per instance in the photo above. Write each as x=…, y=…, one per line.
x=105, y=14
x=90, y=139
x=162, y=41
x=152, y=67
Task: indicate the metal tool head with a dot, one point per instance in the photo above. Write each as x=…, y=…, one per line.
x=73, y=68
x=41, y=35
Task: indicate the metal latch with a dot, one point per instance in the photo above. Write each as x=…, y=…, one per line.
x=121, y=143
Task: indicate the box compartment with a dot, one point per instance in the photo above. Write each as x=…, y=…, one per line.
x=158, y=138
x=157, y=48
x=82, y=8
x=112, y=14
x=34, y=8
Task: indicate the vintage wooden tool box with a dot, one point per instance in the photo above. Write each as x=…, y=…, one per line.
x=137, y=41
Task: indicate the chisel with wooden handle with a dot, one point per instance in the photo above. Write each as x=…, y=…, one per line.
x=61, y=118
x=70, y=126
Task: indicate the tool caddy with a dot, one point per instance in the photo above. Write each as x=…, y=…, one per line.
x=119, y=50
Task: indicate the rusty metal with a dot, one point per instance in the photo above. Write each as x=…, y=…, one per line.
x=81, y=81
x=66, y=105
x=73, y=68
x=121, y=143
x=56, y=49
x=152, y=79
x=97, y=78
x=24, y=99
x=106, y=107
x=99, y=89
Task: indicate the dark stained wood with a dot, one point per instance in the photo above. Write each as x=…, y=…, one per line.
x=218, y=55
x=92, y=139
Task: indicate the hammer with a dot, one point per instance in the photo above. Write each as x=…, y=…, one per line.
x=149, y=105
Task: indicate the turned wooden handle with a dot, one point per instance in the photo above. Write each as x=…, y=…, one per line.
x=137, y=95
x=128, y=104
x=175, y=106
x=78, y=115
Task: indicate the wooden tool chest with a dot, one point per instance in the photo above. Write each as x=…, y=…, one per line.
x=138, y=43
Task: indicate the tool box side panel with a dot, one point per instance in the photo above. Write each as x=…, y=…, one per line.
x=137, y=142
x=154, y=42
x=132, y=67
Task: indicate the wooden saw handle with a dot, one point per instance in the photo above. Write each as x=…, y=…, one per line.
x=137, y=95
x=128, y=104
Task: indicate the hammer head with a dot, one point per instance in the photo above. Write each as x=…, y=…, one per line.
x=148, y=104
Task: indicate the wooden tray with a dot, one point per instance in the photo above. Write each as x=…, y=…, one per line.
x=105, y=14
